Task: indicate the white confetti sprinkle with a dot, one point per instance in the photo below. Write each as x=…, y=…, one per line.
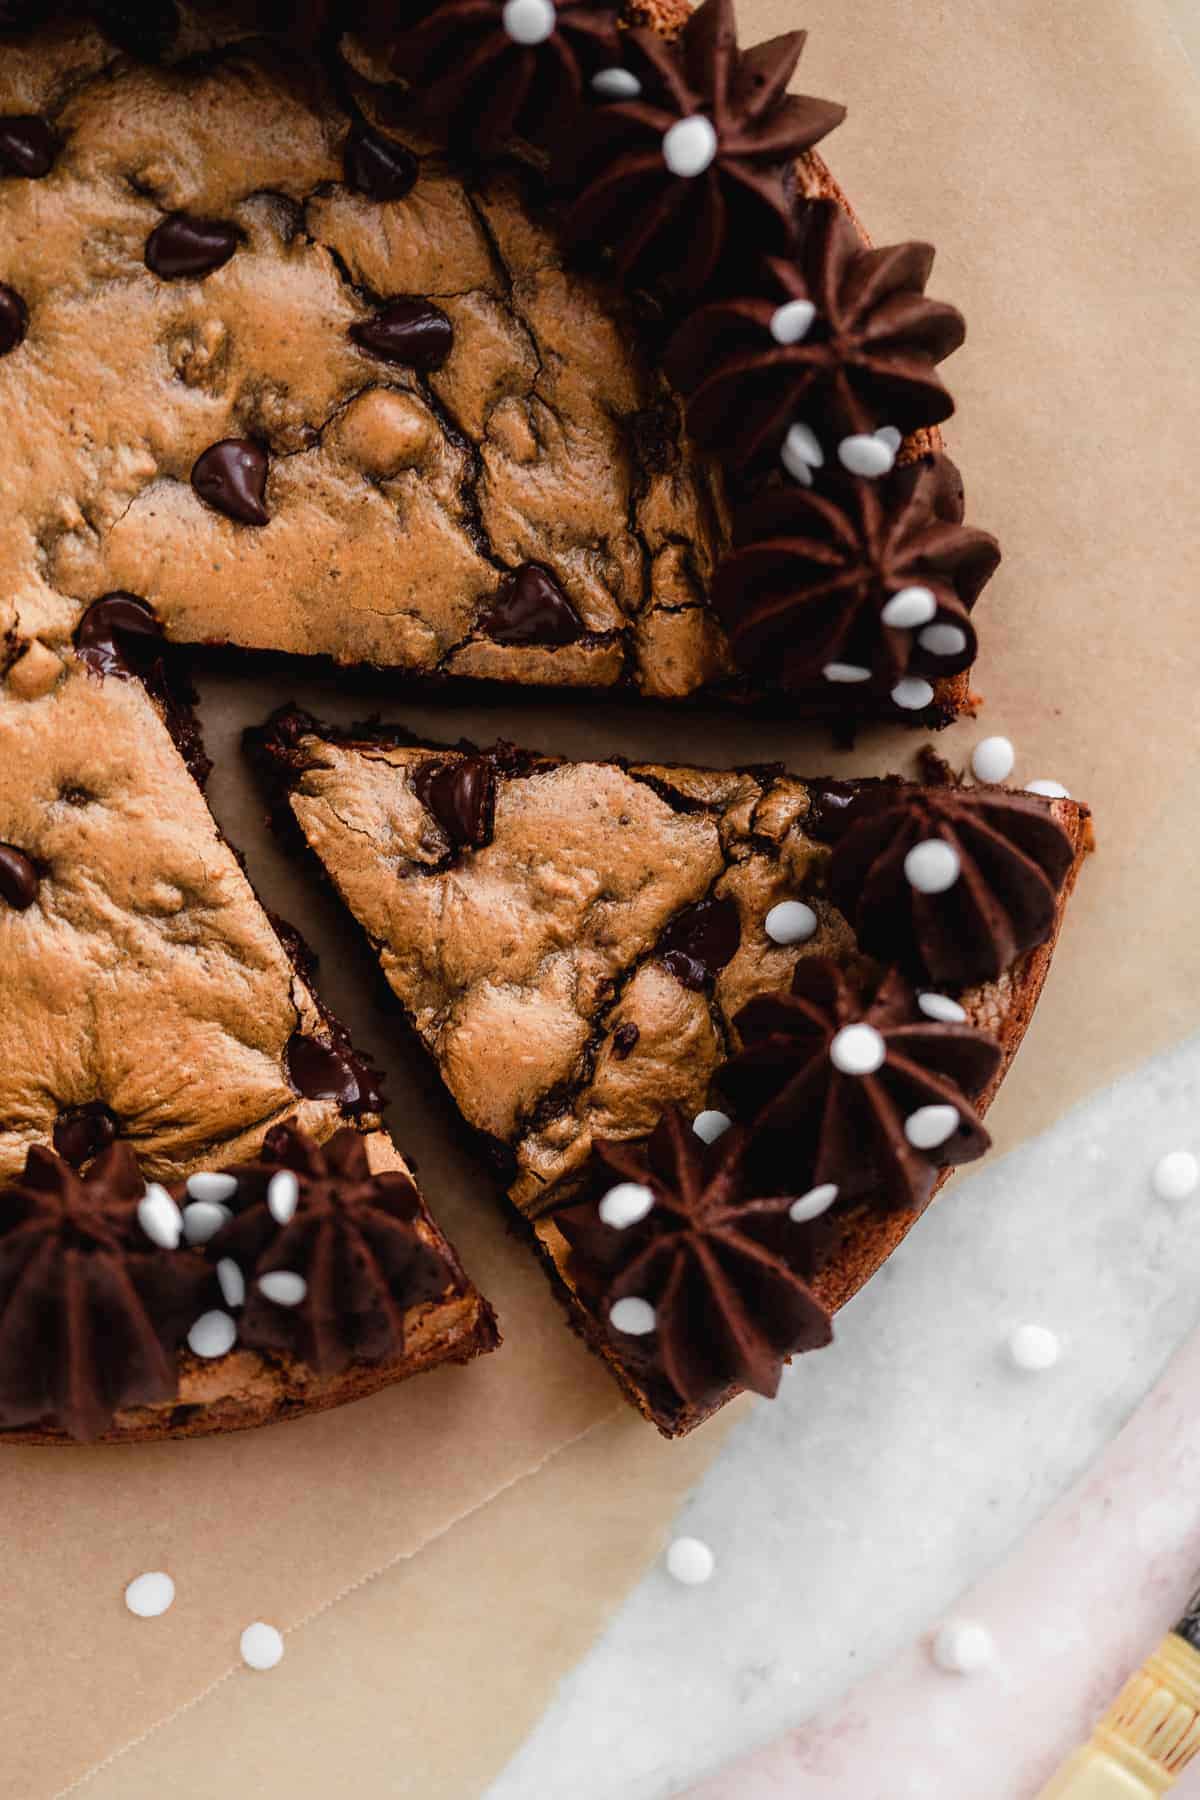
x=887, y=434
x=202, y=1219
x=148, y=1596
x=963, y=1647
x=626, y=1204
x=992, y=759
x=283, y=1192
x=529, y=22
x=636, y=1318
x=791, y=922
x=1033, y=1348
x=207, y=1185
x=710, y=1125
x=690, y=1561
x=231, y=1282
x=690, y=145
x=1050, y=790
x=931, y=1126
x=283, y=1286
x=943, y=640
x=839, y=671
x=912, y=694
x=908, y=608
x=857, y=1050
x=868, y=456
x=942, y=1008
x=818, y=1200
x=801, y=453
x=932, y=867
x=792, y=321
x=160, y=1218
x=213, y=1334
x=261, y=1646
x=616, y=84
x=1176, y=1175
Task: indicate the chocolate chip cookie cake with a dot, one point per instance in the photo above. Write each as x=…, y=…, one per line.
x=484, y=346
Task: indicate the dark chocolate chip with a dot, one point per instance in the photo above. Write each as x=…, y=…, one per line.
x=532, y=609
x=378, y=166
x=18, y=878
x=27, y=146
x=232, y=477
x=118, y=635
x=146, y=29
x=700, y=940
x=83, y=1132
x=14, y=319
x=829, y=803
x=183, y=247
x=410, y=331
x=330, y=1072
x=461, y=796
x=624, y=1039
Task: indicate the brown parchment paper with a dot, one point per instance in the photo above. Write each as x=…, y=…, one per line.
x=1051, y=153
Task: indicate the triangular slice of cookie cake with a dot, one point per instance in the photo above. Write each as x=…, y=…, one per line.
x=726, y=1031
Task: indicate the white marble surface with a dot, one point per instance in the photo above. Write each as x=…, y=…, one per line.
x=900, y=1464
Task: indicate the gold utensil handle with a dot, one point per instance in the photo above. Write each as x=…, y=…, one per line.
x=1146, y=1738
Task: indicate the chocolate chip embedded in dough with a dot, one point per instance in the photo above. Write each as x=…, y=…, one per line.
x=700, y=940
x=231, y=477
x=533, y=609
x=410, y=331
x=330, y=1072
x=83, y=1132
x=183, y=247
x=624, y=1039
x=461, y=796
x=14, y=319
x=27, y=146
x=118, y=635
x=377, y=166
x=19, y=880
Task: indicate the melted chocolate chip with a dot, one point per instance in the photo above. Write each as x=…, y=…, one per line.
x=184, y=247
x=83, y=1132
x=700, y=940
x=118, y=635
x=27, y=147
x=624, y=1039
x=145, y=28
x=461, y=796
x=532, y=609
x=231, y=477
x=18, y=878
x=377, y=166
x=14, y=319
x=410, y=331
x=330, y=1072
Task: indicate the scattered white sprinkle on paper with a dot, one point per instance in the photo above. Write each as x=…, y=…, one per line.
x=283, y=1286
x=801, y=453
x=992, y=759
x=857, y=1050
x=261, y=1646
x=213, y=1334
x=943, y=640
x=791, y=922
x=636, y=1318
x=792, y=321
x=283, y=1194
x=1049, y=790
x=616, y=84
x=839, y=671
x=710, y=1125
x=626, y=1204
x=931, y=1126
x=160, y=1218
x=690, y=1561
x=908, y=608
x=148, y=1596
x=202, y=1219
x=932, y=866
x=1176, y=1175
x=529, y=22
x=867, y=455
x=963, y=1647
x=942, y=1008
x=1033, y=1348
x=231, y=1282
x=690, y=145
x=208, y=1185
x=810, y=1206
x=912, y=694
